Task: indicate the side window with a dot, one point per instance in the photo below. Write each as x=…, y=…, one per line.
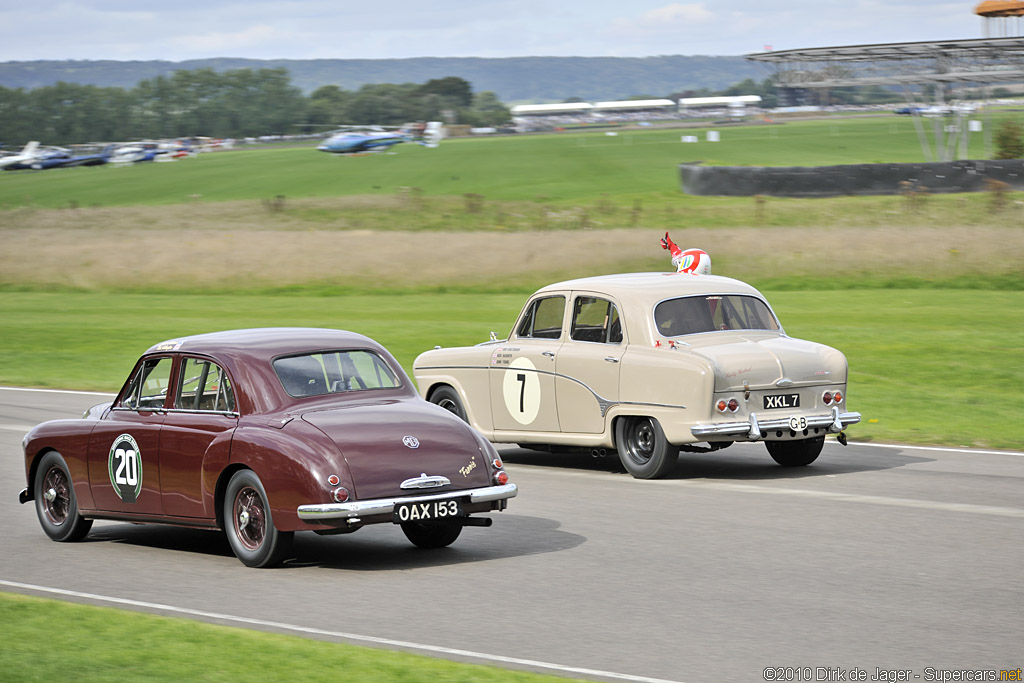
x=204, y=386
x=149, y=386
x=544, y=319
x=596, y=320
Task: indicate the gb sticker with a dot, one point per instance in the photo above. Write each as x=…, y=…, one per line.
x=125, y=468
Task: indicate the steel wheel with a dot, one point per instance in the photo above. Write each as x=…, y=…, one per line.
x=643, y=448
x=56, y=504
x=249, y=524
x=448, y=398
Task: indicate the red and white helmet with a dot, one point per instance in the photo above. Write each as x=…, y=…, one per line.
x=693, y=261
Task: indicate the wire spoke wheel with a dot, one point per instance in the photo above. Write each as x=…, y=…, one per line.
x=249, y=523
x=56, y=495
x=56, y=505
x=250, y=518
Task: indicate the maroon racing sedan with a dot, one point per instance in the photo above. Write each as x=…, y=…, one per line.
x=263, y=433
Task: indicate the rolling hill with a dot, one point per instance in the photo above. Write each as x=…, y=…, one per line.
x=514, y=79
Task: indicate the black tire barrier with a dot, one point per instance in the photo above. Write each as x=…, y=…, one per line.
x=852, y=179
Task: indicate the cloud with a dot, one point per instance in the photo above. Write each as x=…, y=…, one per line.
x=675, y=14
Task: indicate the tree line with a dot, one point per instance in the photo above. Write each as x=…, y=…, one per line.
x=230, y=104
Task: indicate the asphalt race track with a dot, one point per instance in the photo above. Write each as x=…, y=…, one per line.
x=873, y=558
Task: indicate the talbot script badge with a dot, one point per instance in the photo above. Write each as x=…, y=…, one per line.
x=411, y=441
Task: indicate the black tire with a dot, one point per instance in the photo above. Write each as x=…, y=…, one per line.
x=643, y=448
x=448, y=398
x=795, y=453
x=249, y=525
x=431, y=535
x=56, y=503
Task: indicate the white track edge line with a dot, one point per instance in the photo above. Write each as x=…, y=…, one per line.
x=59, y=391
x=337, y=634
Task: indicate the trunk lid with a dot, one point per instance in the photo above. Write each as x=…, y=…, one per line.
x=765, y=361
x=375, y=441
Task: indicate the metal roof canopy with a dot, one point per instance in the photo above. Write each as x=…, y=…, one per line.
x=979, y=60
x=948, y=62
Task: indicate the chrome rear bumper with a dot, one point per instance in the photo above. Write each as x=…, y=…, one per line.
x=754, y=429
x=385, y=506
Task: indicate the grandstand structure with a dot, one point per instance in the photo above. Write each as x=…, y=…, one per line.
x=937, y=69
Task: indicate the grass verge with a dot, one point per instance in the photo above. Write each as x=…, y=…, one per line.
x=90, y=645
x=928, y=366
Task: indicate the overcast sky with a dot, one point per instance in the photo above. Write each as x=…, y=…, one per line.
x=339, y=29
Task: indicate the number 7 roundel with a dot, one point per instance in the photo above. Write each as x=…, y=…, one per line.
x=521, y=390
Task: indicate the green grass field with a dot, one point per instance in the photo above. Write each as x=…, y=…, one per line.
x=578, y=168
x=105, y=644
x=927, y=366
x=578, y=180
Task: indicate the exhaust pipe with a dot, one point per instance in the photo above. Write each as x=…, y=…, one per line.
x=598, y=452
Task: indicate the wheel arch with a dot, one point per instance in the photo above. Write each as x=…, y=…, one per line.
x=222, y=487
x=473, y=415
x=33, y=470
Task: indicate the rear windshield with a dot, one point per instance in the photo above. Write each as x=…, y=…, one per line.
x=333, y=372
x=695, y=314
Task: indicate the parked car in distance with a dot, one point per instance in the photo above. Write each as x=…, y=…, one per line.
x=262, y=433
x=647, y=364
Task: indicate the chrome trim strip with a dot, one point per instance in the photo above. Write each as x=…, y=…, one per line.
x=603, y=403
x=192, y=411
x=384, y=506
x=745, y=429
x=425, y=482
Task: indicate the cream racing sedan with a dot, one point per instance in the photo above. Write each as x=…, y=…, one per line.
x=647, y=364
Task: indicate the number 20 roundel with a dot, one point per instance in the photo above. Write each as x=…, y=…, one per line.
x=125, y=468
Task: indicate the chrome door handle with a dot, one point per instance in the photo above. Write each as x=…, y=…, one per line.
x=549, y=354
x=611, y=359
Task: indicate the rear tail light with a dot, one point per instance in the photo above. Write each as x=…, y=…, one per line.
x=829, y=398
x=732, y=405
x=497, y=463
x=340, y=494
x=501, y=478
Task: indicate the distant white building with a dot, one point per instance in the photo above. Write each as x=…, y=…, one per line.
x=540, y=116
x=734, y=105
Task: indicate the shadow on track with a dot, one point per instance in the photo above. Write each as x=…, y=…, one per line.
x=739, y=462
x=380, y=547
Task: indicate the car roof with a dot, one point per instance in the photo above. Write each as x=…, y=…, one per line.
x=265, y=343
x=654, y=286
